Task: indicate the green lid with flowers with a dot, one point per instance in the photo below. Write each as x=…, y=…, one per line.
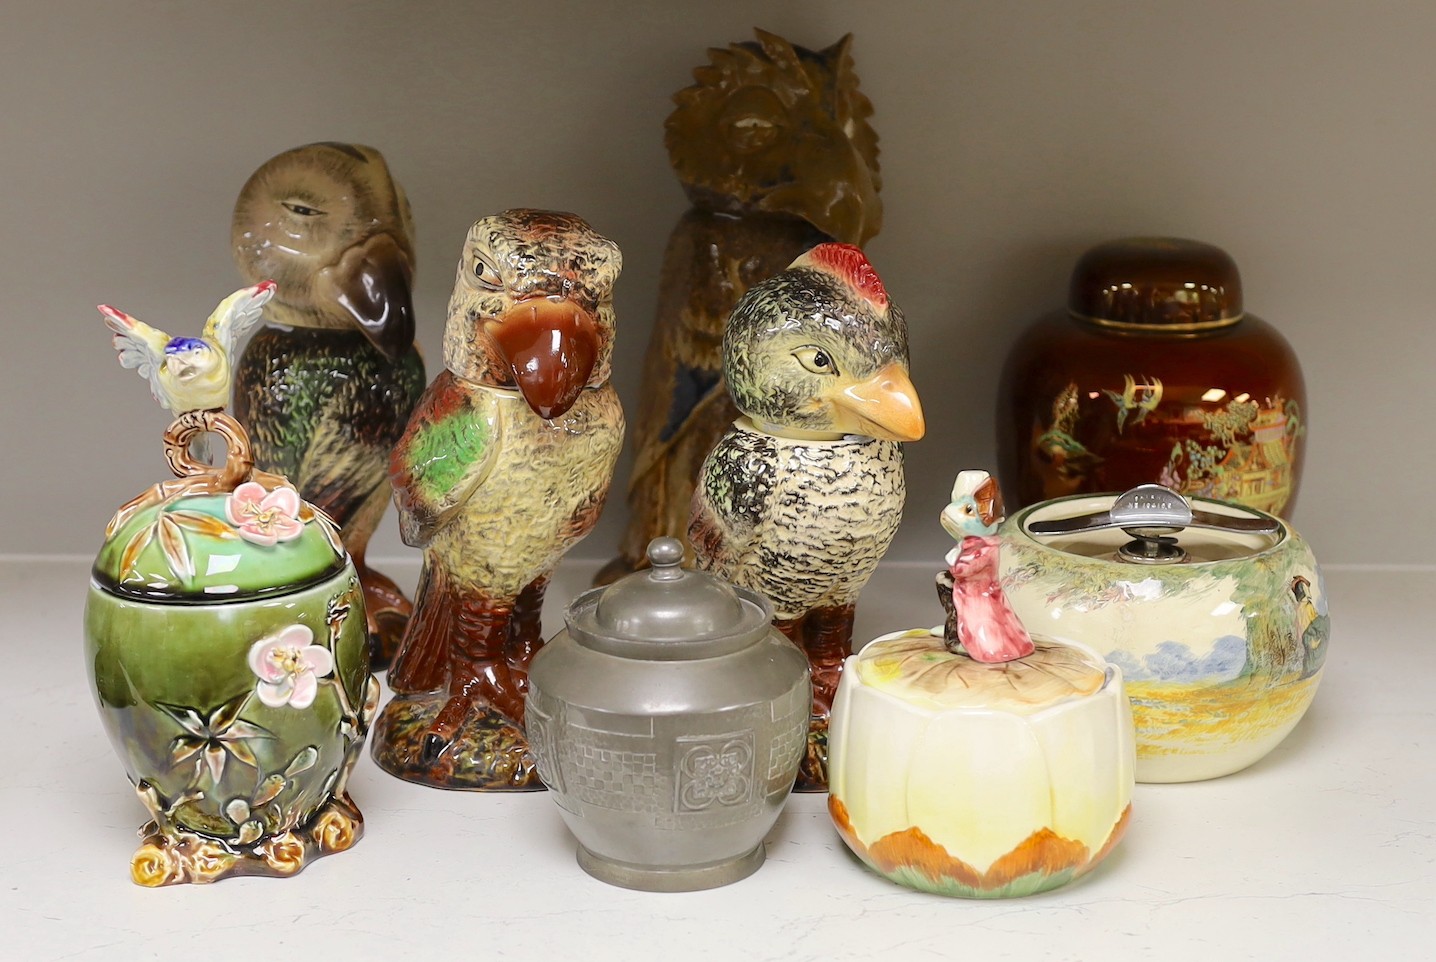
x=205, y=539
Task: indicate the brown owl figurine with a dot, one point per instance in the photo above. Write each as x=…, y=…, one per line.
x=326, y=388
x=773, y=147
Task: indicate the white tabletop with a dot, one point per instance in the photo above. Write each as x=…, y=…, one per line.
x=1326, y=849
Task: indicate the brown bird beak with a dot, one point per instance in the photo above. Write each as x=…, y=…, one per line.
x=834, y=191
x=551, y=347
x=883, y=406
x=370, y=282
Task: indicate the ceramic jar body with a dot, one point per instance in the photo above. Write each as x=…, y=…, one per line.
x=669, y=772
x=940, y=787
x=1221, y=657
x=237, y=704
x=1220, y=414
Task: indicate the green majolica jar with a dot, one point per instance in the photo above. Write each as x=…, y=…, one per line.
x=226, y=643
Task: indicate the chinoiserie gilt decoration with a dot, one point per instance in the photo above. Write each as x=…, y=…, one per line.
x=225, y=637
x=800, y=499
x=326, y=388
x=774, y=149
x=504, y=466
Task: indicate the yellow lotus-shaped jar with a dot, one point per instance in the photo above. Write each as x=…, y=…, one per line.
x=979, y=780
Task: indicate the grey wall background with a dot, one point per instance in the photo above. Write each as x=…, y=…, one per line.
x=1298, y=136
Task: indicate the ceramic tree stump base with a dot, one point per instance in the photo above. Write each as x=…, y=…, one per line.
x=813, y=769
x=488, y=754
x=173, y=856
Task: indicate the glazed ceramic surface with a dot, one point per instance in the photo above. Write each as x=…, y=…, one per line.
x=504, y=466
x=326, y=388
x=668, y=720
x=225, y=640
x=801, y=497
x=773, y=147
x=1222, y=652
x=1154, y=373
x=979, y=780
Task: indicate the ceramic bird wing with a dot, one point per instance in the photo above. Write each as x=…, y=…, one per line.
x=141, y=348
x=449, y=447
x=236, y=316
x=730, y=506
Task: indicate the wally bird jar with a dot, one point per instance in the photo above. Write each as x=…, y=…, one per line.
x=1155, y=372
x=226, y=643
x=668, y=720
x=976, y=759
x=1215, y=612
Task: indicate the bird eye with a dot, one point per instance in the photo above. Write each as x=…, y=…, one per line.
x=749, y=134
x=487, y=274
x=815, y=360
x=302, y=210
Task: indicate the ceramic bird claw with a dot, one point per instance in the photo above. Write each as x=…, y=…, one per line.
x=980, y=622
x=772, y=145
x=326, y=390
x=504, y=466
x=800, y=499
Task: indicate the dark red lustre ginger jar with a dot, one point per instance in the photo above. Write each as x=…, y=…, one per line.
x=1153, y=373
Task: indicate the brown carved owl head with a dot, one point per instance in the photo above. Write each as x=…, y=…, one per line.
x=771, y=126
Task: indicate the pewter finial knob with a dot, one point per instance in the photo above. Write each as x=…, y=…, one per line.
x=666, y=557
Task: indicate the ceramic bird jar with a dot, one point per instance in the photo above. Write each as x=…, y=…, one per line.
x=326, y=388
x=774, y=149
x=226, y=644
x=975, y=759
x=801, y=497
x=504, y=466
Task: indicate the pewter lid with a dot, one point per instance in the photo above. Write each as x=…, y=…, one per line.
x=667, y=613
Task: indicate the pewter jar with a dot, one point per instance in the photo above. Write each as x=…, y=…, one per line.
x=668, y=720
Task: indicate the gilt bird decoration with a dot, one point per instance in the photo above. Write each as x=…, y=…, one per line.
x=800, y=499
x=774, y=149
x=504, y=466
x=326, y=389
x=189, y=373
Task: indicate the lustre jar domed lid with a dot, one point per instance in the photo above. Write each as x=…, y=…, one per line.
x=666, y=613
x=216, y=535
x=1160, y=284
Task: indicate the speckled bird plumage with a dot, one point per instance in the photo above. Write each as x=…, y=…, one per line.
x=772, y=145
x=800, y=499
x=326, y=388
x=493, y=491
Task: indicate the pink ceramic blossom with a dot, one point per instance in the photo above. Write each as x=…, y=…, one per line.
x=264, y=517
x=288, y=667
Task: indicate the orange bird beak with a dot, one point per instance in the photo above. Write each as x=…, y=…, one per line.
x=551, y=347
x=882, y=406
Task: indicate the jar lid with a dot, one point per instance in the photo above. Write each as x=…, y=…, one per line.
x=1162, y=283
x=216, y=534
x=206, y=549
x=667, y=613
x=1151, y=526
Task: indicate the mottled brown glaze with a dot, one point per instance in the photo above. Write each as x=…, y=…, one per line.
x=1147, y=379
x=326, y=389
x=774, y=150
x=504, y=466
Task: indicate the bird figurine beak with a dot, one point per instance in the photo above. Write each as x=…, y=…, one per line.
x=882, y=406
x=370, y=281
x=833, y=190
x=551, y=347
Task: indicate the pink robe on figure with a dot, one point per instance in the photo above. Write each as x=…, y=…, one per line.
x=986, y=626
